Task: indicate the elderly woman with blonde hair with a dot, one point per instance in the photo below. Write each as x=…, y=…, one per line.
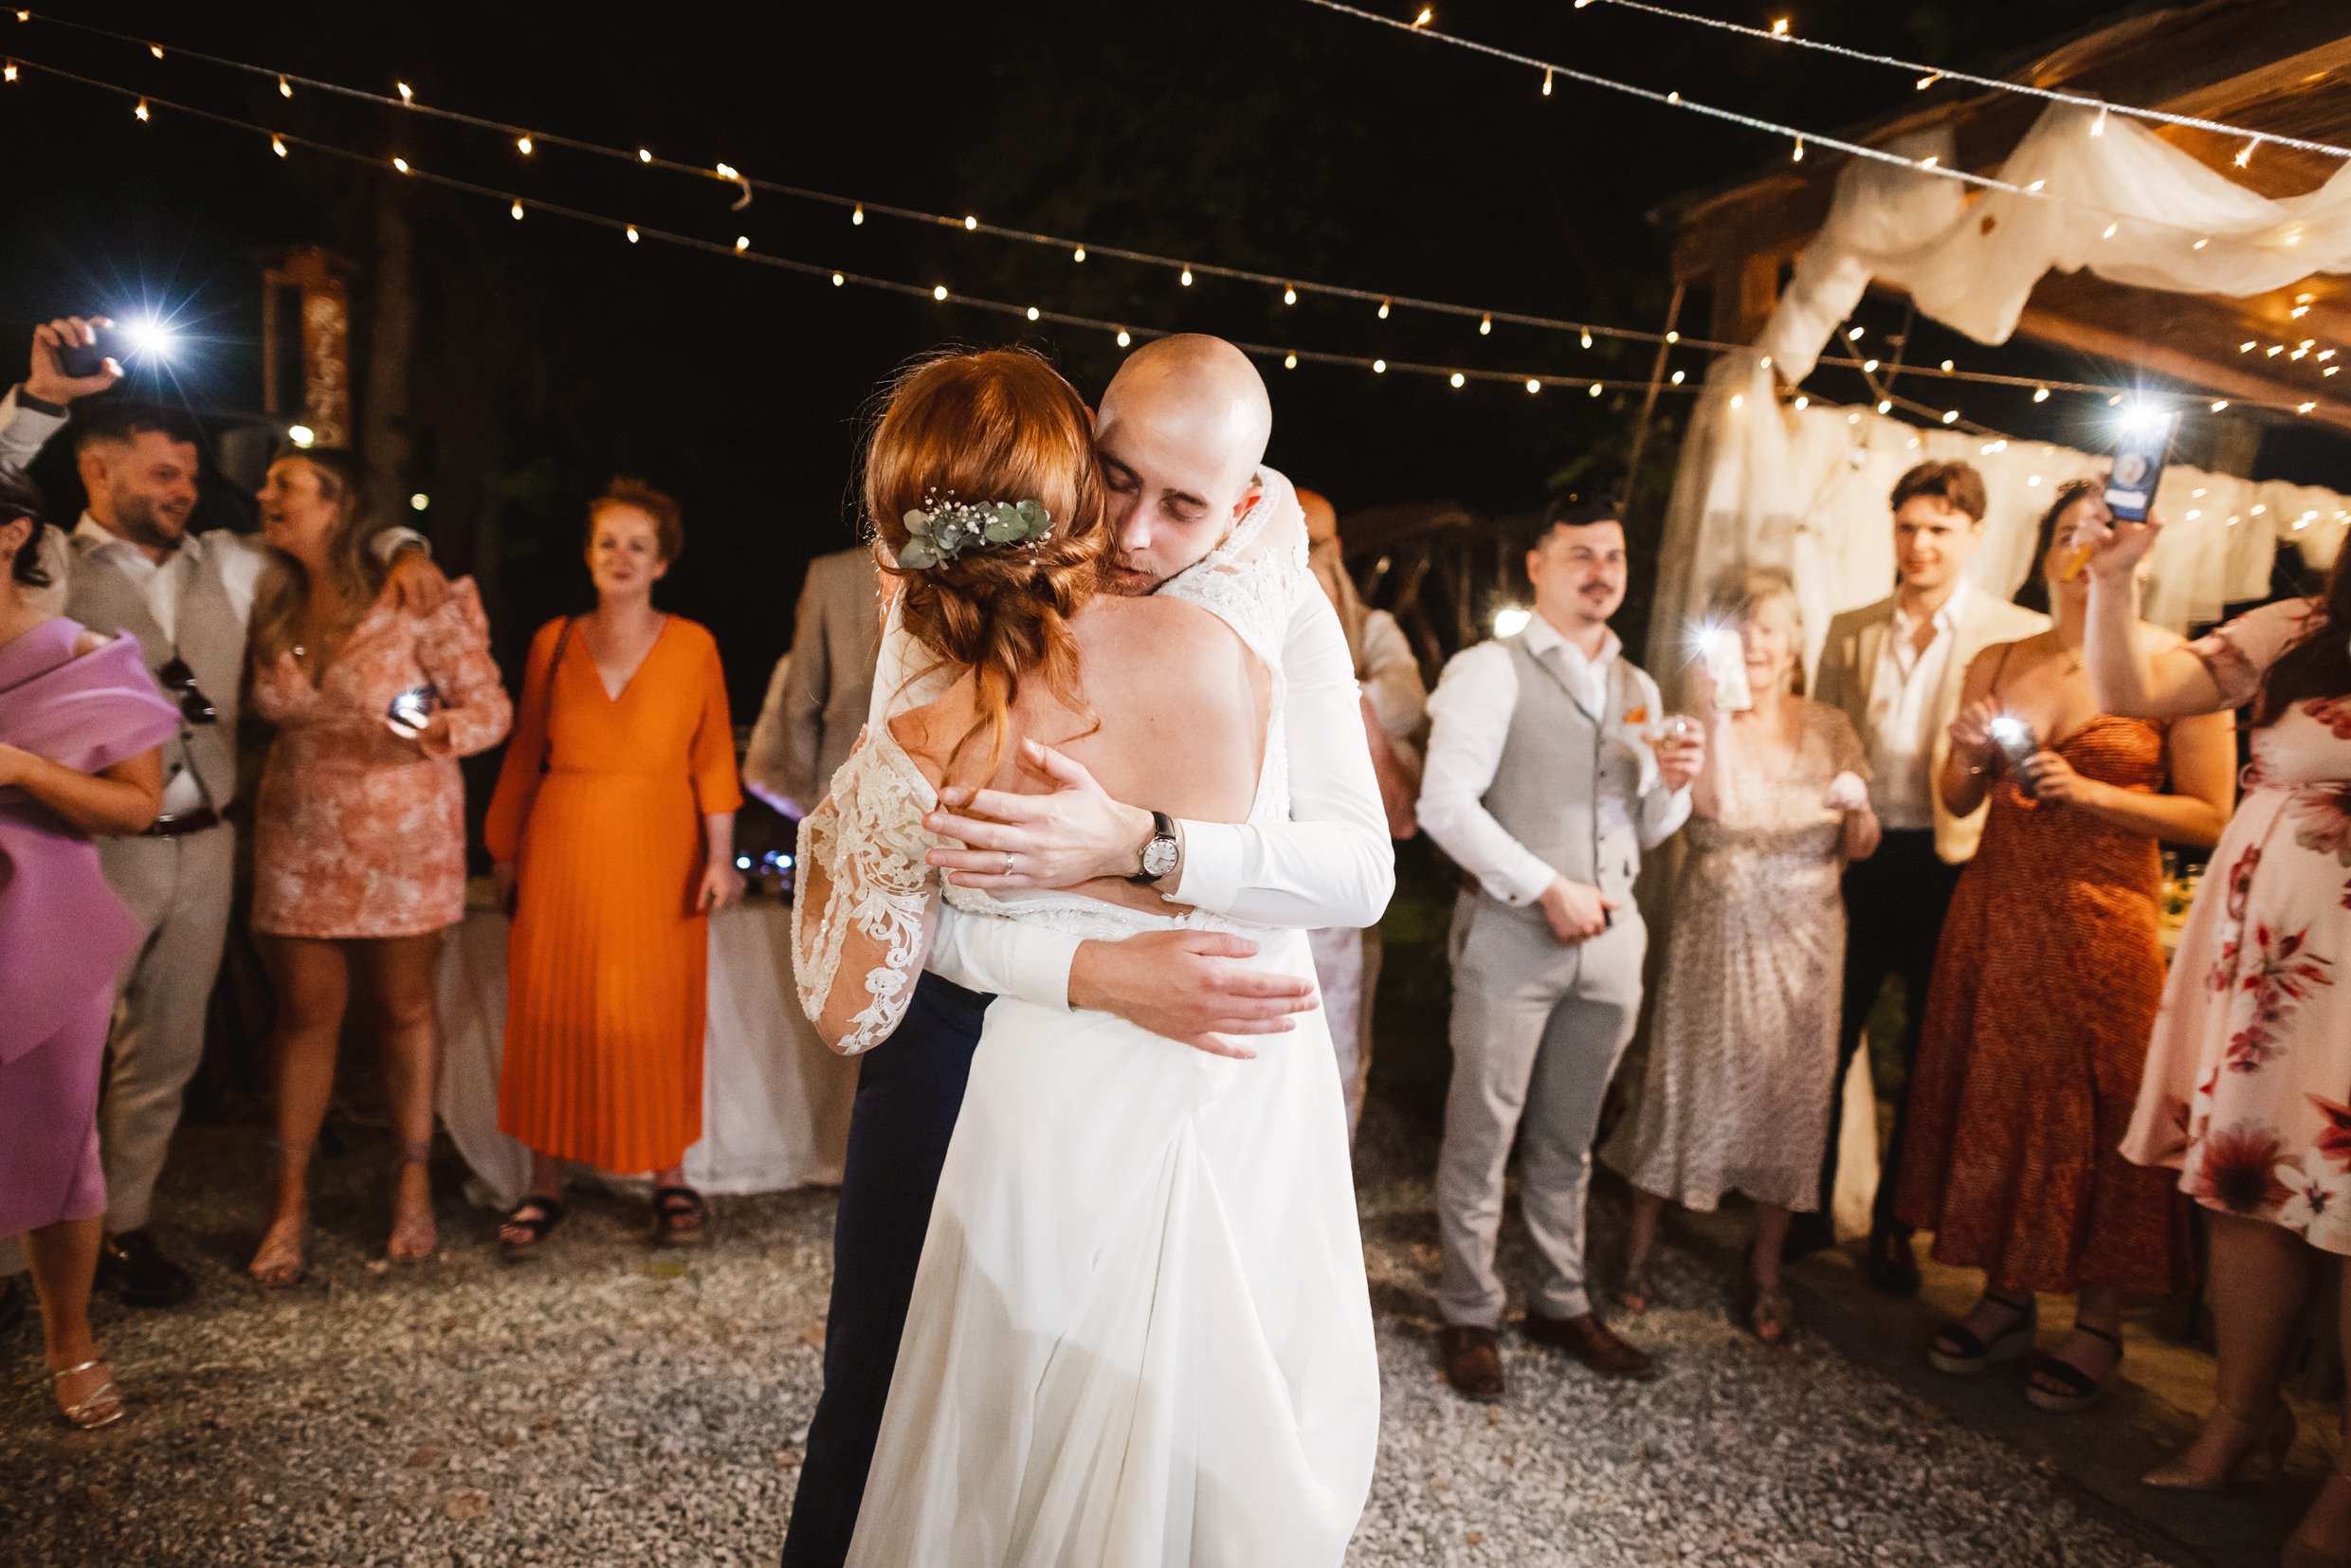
x=1744, y=1044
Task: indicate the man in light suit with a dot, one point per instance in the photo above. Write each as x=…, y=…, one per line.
x=816, y=702
x=1896, y=668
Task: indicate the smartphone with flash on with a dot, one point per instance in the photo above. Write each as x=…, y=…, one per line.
x=2139, y=465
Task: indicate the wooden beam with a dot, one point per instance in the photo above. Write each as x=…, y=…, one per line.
x=2107, y=342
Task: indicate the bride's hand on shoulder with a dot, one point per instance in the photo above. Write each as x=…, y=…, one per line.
x=1074, y=834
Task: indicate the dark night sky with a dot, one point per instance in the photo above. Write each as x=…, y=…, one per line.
x=1259, y=133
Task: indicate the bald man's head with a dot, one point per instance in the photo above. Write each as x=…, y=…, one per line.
x=1181, y=432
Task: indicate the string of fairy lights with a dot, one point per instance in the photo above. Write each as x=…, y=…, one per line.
x=527, y=144
x=520, y=206
x=1421, y=25
x=1782, y=30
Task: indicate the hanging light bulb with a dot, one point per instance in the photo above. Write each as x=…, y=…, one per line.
x=1379, y=367
x=401, y=165
x=1533, y=385
x=1587, y=339
x=1886, y=405
x=285, y=89
x=938, y=291
x=1951, y=416
x=1383, y=310
x=522, y=145
x=2040, y=394
x=1678, y=377
x=1868, y=367
x=408, y=94
x=857, y=213
x=1289, y=296
x=970, y=223
x=2219, y=404
x=631, y=232
x=1458, y=380
x=1289, y=360
x=1929, y=79
x=156, y=49
x=1485, y=326
x=141, y=111
x=515, y=212
x=1595, y=389
x=1078, y=255
x=8, y=72
x=2245, y=153
x=838, y=280
x=277, y=145
x=1802, y=404
x=1779, y=26
x=2098, y=126
x=1186, y=278
x=1427, y=15
x=1033, y=313
x=1673, y=337
x=743, y=243
x=644, y=154
x=1125, y=337
x=1798, y=156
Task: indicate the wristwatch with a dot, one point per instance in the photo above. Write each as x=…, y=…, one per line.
x=1160, y=851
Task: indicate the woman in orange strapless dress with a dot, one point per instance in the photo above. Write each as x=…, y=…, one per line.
x=2045, y=992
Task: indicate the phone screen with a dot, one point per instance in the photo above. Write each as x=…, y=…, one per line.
x=2139, y=465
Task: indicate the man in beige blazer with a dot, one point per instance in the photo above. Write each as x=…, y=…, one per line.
x=816, y=702
x=1896, y=668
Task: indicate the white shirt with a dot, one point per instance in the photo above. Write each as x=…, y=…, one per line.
x=1902, y=710
x=1470, y=712
x=1331, y=863
x=1392, y=680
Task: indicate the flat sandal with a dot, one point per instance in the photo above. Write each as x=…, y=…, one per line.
x=1958, y=1351
x=2081, y=1391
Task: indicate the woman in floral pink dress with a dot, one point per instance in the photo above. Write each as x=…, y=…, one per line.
x=360, y=825
x=2249, y=1069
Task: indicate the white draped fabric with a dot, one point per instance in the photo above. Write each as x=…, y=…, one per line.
x=1765, y=484
x=776, y=1103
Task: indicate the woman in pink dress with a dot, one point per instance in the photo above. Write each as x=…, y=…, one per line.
x=80, y=725
x=2248, y=1087
x=360, y=825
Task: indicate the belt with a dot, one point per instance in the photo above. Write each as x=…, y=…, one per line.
x=183, y=824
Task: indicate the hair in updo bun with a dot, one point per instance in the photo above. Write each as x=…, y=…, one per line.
x=999, y=424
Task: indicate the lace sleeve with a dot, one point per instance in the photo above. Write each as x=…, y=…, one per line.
x=862, y=914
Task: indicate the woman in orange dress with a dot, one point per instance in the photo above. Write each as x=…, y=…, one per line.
x=359, y=824
x=612, y=831
x=2045, y=993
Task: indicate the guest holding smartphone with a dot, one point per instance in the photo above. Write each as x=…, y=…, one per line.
x=2046, y=987
x=2246, y=1087
x=613, y=832
x=360, y=825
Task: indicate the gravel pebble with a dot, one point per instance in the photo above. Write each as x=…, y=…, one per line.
x=604, y=1406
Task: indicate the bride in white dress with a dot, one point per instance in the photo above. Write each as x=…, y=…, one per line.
x=1141, y=1333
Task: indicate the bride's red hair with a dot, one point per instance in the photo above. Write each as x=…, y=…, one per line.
x=1001, y=424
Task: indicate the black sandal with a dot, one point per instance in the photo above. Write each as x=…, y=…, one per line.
x=549, y=1214
x=680, y=1217
x=2080, y=1389
x=1956, y=1350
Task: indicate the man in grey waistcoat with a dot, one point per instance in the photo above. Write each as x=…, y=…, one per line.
x=130, y=564
x=1541, y=786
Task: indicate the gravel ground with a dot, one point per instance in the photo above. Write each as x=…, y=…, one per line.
x=609, y=1405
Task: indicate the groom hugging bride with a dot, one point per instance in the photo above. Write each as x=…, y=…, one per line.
x=1098, y=1165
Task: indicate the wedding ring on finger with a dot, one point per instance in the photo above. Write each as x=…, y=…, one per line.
x=1007, y=863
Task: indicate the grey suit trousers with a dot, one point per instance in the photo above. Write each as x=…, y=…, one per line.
x=1538, y=1029
x=179, y=888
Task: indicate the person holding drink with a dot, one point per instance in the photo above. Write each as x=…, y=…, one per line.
x=2248, y=1086
x=1744, y=1036
x=2046, y=987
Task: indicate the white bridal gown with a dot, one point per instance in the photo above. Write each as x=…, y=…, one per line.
x=1141, y=1333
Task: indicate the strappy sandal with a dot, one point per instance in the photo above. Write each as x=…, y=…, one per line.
x=2078, y=1390
x=100, y=1407
x=401, y=1248
x=1958, y=1350
x=535, y=1215
x=680, y=1218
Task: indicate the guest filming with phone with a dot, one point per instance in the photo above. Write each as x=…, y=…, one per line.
x=2047, y=983
x=612, y=834
x=359, y=826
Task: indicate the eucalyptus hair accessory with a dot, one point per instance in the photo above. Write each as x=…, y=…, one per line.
x=943, y=532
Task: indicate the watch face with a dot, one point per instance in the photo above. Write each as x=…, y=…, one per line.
x=1160, y=857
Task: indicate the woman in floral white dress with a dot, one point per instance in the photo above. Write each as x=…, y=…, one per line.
x=2248, y=1086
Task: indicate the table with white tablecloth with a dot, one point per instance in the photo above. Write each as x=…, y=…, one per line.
x=776, y=1103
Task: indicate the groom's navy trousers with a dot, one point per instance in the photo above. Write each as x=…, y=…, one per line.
x=909, y=1089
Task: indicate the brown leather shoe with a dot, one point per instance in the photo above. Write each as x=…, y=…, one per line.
x=1590, y=1341
x=1472, y=1362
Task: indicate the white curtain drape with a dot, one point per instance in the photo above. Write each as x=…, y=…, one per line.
x=1806, y=489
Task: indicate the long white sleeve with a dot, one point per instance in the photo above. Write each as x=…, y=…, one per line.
x=1001, y=957
x=1332, y=864
x=1470, y=720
